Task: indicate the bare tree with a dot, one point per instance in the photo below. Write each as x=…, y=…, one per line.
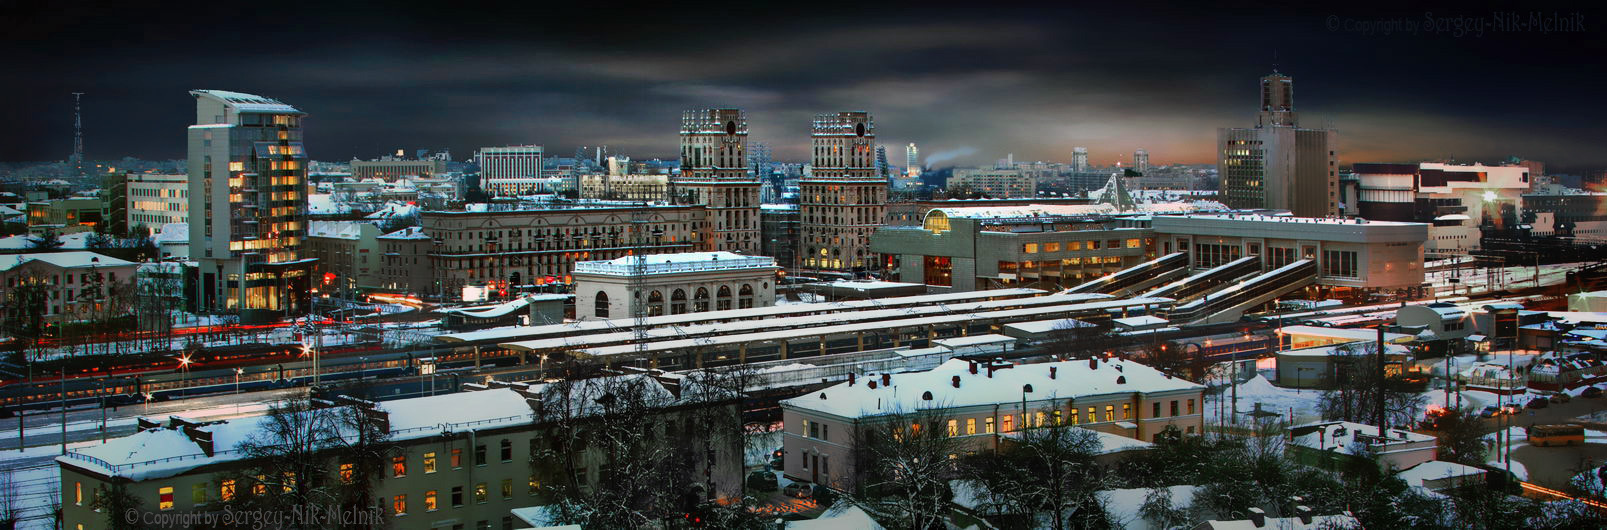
x=287, y=465
x=1063, y=480
x=10, y=504
x=903, y=464
x=616, y=425
x=1358, y=386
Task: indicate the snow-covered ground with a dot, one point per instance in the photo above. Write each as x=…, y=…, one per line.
x=1476, y=280
x=1299, y=403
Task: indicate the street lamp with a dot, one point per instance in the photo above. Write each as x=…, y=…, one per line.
x=237, y=373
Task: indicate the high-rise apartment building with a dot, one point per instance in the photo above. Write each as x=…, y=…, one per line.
x=1276, y=164
x=248, y=205
x=1140, y=160
x=843, y=200
x=714, y=173
x=1079, y=159
x=912, y=160
x=512, y=170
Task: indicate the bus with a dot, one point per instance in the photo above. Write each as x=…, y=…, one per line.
x=1549, y=435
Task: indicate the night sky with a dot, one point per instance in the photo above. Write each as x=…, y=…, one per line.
x=967, y=85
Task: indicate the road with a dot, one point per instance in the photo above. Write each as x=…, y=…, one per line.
x=1551, y=466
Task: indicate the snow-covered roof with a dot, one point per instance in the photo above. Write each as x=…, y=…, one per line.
x=66, y=260
x=841, y=516
x=1039, y=327
x=1286, y=523
x=411, y=232
x=505, y=308
x=683, y=262
x=1438, y=469
x=1332, y=349
x=173, y=233
x=394, y=209
x=247, y=102
x=74, y=241
x=1348, y=334
x=1250, y=217
x=973, y=340
x=1072, y=210
x=430, y=415
x=1108, y=443
x=870, y=285
x=352, y=230
x=1341, y=436
x=1072, y=380
x=323, y=203
x=1139, y=321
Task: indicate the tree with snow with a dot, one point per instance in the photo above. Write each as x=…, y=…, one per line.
x=1358, y=387
x=903, y=464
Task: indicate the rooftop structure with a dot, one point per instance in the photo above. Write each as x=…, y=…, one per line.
x=674, y=263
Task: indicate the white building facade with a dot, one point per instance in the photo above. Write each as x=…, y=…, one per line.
x=673, y=284
x=510, y=171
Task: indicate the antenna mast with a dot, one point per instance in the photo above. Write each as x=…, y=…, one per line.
x=78, y=135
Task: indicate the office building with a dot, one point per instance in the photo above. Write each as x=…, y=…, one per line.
x=980, y=404
x=780, y=234
x=248, y=205
x=511, y=171
x=462, y=459
x=843, y=200
x=625, y=187
x=517, y=250
x=65, y=215
x=993, y=183
x=1277, y=164
x=1079, y=159
x=154, y=200
x=1141, y=160
x=714, y=174
x=392, y=168
x=405, y=262
x=673, y=284
x=348, y=254
x=1459, y=202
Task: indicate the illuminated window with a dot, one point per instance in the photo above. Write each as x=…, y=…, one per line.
x=954, y=427
x=1037, y=418
x=988, y=425
x=399, y=466
x=1030, y=248
x=480, y=492
x=1058, y=418
x=507, y=488
x=237, y=166
x=1127, y=411
x=346, y=473
x=429, y=462
x=970, y=426
x=198, y=493
x=535, y=484
x=399, y=504
x=1191, y=406
x=1110, y=413
x=1009, y=423
x=78, y=493
x=259, y=487
x=457, y=458
x=429, y=501
x=1091, y=418
x=164, y=498
x=1135, y=243
x=226, y=490
x=1051, y=247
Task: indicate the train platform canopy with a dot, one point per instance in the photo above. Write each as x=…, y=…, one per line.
x=518, y=332
x=1307, y=336
x=782, y=331
x=745, y=326
x=1140, y=322
x=977, y=344
x=1064, y=380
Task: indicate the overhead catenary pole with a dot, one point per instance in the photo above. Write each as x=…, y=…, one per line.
x=1382, y=424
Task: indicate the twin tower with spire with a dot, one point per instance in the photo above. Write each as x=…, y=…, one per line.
x=842, y=198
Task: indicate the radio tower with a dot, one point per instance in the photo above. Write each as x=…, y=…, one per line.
x=78, y=135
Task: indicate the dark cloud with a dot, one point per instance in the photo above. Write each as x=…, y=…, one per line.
x=1030, y=81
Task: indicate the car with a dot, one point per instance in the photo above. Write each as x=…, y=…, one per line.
x=800, y=490
x=1561, y=397
x=1539, y=403
x=762, y=481
x=1509, y=409
x=1591, y=392
x=1490, y=411
x=776, y=460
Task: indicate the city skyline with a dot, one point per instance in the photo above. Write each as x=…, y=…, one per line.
x=968, y=86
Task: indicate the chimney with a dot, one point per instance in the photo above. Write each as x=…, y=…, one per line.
x=871, y=385
x=1052, y=370
x=887, y=379
x=973, y=367
x=202, y=439
x=990, y=370
x=850, y=379
x=145, y=424
x=1093, y=363
x=1304, y=512
x=956, y=381
x=1258, y=517
x=1121, y=379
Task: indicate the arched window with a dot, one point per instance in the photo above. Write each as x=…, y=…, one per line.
x=601, y=309
x=722, y=298
x=678, y=302
x=745, y=296
x=655, y=304
x=701, y=301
